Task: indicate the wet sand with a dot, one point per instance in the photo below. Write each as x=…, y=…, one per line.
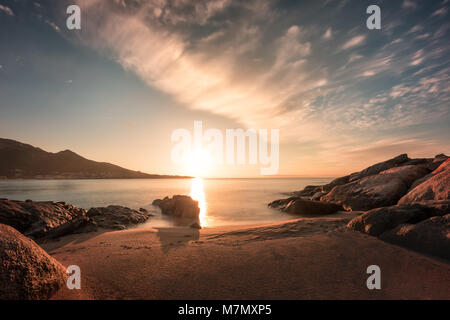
x=297, y=259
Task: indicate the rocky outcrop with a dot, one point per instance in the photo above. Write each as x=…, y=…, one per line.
x=183, y=209
x=431, y=236
x=379, y=167
x=406, y=201
x=336, y=182
x=383, y=189
x=307, y=191
x=408, y=170
x=432, y=190
x=26, y=271
x=43, y=220
x=377, y=221
x=421, y=220
x=37, y=219
x=297, y=205
x=179, y=206
x=116, y=217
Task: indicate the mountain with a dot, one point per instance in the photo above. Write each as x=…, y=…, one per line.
x=23, y=161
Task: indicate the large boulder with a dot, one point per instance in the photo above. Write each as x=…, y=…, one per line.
x=379, y=167
x=431, y=236
x=315, y=192
x=179, y=206
x=432, y=190
x=377, y=221
x=305, y=207
x=116, y=217
x=37, y=219
x=380, y=190
x=26, y=271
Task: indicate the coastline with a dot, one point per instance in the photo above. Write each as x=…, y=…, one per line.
x=296, y=259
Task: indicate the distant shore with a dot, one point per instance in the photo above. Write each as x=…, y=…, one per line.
x=94, y=178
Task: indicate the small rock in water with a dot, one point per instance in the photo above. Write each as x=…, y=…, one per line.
x=196, y=225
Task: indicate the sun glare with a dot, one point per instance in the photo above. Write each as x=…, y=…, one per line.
x=199, y=163
x=198, y=193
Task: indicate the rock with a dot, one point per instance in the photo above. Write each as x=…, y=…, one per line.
x=81, y=224
x=379, y=167
x=26, y=271
x=408, y=173
x=179, y=206
x=281, y=202
x=376, y=221
x=431, y=236
x=431, y=190
x=44, y=220
x=336, y=182
x=196, y=225
x=37, y=219
x=380, y=190
x=437, y=161
x=318, y=195
x=306, y=207
x=307, y=191
x=116, y=217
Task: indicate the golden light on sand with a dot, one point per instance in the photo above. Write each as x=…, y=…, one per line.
x=198, y=194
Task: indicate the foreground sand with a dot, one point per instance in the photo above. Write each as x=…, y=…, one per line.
x=298, y=259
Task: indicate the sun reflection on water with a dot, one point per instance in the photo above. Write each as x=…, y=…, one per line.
x=198, y=194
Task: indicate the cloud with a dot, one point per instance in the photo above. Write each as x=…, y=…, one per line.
x=353, y=42
x=354, y=57
x=409, y=4
x=209, y=74
x=369, y=73
x=440, y=12
x=327, y=34
x=416, y=28
x=7, y=10
x=207, y=57
x=52, y=25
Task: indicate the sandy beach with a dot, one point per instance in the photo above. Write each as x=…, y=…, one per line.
x=297, y=259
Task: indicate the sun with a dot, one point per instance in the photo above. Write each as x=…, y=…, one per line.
x=199, y=163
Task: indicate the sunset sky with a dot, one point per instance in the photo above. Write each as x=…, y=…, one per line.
x=342, y=96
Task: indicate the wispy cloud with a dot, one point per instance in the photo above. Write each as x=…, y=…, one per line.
x=327, y=34
x=353, y=42
x=208, y=59
x=52, y=25
x=440, y=12
x=7, y=10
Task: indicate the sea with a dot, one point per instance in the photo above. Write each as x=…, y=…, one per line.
x=222, y=202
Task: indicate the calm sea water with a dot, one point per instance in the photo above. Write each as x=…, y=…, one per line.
x=222, y=201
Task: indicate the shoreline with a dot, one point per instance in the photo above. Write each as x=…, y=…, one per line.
x=304, y=258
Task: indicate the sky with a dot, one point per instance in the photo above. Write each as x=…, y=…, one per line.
x=342, y=96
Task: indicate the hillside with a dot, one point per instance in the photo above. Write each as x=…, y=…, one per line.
x=23, y=161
